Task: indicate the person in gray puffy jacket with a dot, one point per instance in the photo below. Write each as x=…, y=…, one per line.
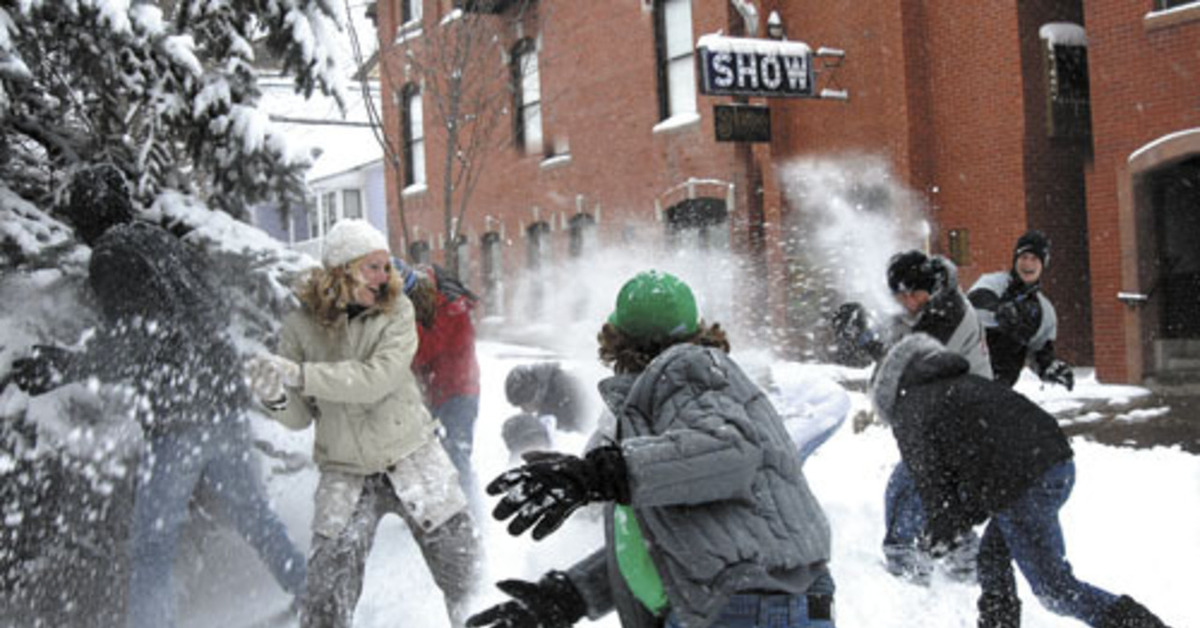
x=709, y=519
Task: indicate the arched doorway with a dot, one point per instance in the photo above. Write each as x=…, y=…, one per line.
x=1173, y=194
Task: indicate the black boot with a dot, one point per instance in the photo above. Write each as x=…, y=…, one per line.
x=1127, y=613
x=999, y=610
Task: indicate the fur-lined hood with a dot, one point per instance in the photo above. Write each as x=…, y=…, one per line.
x=916, y=359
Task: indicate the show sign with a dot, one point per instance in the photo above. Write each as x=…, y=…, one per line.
x=739, y=66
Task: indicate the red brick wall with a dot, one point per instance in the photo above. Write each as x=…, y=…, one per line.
x=1145, y=84
x=951, y=92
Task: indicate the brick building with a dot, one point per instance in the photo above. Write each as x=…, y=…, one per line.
x=1077, y=118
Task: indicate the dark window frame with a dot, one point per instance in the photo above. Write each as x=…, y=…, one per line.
x=663, y=60
x=1068, y=98
x=520, y=51
x=408, y=93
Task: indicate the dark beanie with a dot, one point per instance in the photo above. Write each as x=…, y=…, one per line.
x=1033, y=241
x=521, y=385
x=97, y=199
x=912, y=270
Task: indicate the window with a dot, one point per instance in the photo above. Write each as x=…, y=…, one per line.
x=493, y=269
x=1069, y=112
x=419, y=252
x=1163, y=5
x=462, y=257
x=582, y=234
x=527, y=97
x=698, y=224
x=352, y=204
x=537, y=260
x=414, y=135
x=314, y=218
x=676, y=66
x=329, y=209
x=410, y=11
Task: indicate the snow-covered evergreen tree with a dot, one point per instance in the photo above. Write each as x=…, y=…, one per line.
x=165, y=90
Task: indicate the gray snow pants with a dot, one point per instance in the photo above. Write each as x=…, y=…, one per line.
x=336, y=565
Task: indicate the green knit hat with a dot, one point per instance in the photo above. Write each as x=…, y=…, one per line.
x=655, y=305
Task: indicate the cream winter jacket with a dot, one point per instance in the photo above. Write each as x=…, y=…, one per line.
x=358, y=389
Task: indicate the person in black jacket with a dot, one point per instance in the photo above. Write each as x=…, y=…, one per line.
x=164, y=342
x=1021, y=322
x=926, y=287
x=980, y=452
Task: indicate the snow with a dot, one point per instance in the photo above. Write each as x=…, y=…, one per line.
x=1063, y=34
x=676, y=121
x=1162, y=141
x=745, y=45
x=1130, y=524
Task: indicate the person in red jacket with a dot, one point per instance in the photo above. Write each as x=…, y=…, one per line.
x=445, y=363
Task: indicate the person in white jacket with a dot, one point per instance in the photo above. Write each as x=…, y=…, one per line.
x=343, y=365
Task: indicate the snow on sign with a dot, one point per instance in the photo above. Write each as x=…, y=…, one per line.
x=739, y=66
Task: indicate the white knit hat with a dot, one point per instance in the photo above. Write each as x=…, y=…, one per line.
x=349, y=240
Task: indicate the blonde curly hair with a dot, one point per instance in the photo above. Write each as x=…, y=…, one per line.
x=328, y=292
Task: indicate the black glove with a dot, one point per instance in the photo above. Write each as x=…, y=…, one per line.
x=857, y=343
x=1019, y=318
x=42, y=370
x=550, y=486
x=850, y=321
x=553, y=602
x=1059, y=372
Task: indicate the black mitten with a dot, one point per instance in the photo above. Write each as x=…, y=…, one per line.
x=553, y=602
x=1059, y=372
x=551, y=486
x=42, y=370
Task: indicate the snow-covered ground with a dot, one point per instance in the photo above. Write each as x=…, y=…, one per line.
x=1132, y=525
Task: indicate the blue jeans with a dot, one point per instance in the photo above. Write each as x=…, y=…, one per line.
x=216, y=460
x=457, y=415
x=782, y=610
x=904, y=520
x=905, y=523
x=1029, y=532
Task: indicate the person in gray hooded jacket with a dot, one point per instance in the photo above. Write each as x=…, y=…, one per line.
x=710, y=521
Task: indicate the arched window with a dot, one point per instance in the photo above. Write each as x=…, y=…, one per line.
x=699, y=224
x=527, y=97
x=493, y=272
x=582, y=233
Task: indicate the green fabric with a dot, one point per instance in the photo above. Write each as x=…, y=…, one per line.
x=633, y=559
x=655, y=305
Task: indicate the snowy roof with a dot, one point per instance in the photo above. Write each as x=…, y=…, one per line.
x=1063, y=34
x=716, y=42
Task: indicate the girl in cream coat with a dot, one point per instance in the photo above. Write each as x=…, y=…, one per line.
x=343, y=365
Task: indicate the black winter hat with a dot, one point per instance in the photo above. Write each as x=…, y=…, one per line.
x=97, y=199
x=1033, y=241
x=521, y=385
x=912, y=270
